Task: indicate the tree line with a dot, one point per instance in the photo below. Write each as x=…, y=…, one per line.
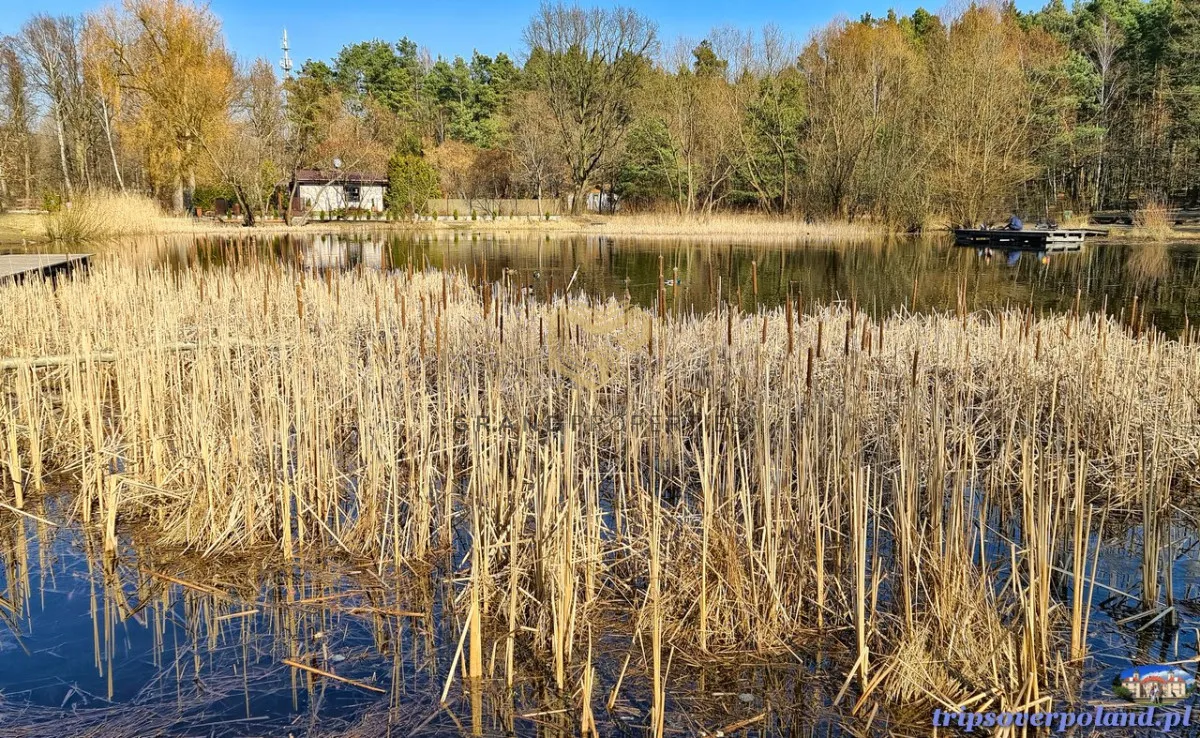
x=902, y=119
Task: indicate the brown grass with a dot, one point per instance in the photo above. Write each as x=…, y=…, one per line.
x=714, y=485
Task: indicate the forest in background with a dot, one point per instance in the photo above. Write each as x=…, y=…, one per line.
x=905, y=120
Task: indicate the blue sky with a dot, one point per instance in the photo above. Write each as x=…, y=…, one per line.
x=455, y=27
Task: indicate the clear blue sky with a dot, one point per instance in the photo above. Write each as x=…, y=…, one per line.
x=319, y=28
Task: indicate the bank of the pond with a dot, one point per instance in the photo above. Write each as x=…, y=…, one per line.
x=27, y=227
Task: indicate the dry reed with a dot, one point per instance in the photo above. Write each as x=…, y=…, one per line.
x=741, y=226
x=718, y=482
x=1151, y=222
x=102, y=215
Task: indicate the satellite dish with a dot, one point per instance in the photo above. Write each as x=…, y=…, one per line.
x=337, y=163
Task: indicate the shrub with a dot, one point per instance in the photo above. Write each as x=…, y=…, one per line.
x=1152, y=222
x=455, y=214
x=412, y=182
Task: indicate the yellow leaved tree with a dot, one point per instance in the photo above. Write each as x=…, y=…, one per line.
x=178, y=81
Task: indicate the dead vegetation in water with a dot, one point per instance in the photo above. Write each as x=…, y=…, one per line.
x=722, y=483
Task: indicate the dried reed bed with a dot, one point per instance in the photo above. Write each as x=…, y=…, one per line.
x=918, y=496
x=1152, y=222
x=103, y=215
x=743, y=227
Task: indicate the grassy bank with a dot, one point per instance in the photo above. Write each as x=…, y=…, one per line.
x=916, y=496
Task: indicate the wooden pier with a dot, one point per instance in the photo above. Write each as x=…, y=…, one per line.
x=1052, y=241
x=19, y=266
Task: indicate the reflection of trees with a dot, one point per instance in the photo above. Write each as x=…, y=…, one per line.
x=879, y=276
x=179, y=645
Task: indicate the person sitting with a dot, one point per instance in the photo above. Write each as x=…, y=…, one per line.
x=1014, y=223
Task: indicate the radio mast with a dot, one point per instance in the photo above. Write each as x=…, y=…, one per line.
x=286, y=62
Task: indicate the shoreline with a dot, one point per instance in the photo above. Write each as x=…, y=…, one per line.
x=25, y=228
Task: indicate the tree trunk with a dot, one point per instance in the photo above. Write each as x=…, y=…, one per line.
x=189, y=190
x=177, y=197
x=28, y=177
x=287, y=206
x=112, y=150
x=62, y=151
x=577, y=200
x=247, y=210
x=189, y=194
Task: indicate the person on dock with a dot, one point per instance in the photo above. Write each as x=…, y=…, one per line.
x=1014, y=223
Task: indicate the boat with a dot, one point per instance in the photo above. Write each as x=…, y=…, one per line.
x=1049, y=240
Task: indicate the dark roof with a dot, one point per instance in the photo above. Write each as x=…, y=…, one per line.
x=318, y=176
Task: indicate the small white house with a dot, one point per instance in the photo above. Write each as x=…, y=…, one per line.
x=329, y=191
x=598, y=201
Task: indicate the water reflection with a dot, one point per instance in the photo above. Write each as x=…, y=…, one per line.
x=921, y=274
x=142, y=643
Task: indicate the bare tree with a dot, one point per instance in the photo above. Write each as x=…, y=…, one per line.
x=533, y=143
x=49, y=45
x=588, y=63
x=249, y=156
x=1105, y=42
x=860, y=84
x=16, y=116
x=102, y=87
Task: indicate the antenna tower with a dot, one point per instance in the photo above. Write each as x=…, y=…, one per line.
x=286, y=62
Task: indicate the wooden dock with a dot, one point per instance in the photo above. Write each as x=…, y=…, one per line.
x=1052, y=241
x=20, y=266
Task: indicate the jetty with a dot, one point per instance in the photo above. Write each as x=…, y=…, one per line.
x=20, y=266
x=1050, y=240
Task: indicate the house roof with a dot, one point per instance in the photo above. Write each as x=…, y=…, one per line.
x=326, y=176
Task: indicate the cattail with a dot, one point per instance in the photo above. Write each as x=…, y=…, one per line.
x=754, y=281
x=788, y=319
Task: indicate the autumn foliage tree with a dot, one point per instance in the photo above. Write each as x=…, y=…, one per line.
x=170, y=58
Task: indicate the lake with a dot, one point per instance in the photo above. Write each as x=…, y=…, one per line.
x=881, y=277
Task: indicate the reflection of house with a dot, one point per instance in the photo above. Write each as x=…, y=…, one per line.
x=1156, y=686
x=332, y=252
x=327, y=191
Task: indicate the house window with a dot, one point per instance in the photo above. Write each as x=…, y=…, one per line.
x=353, y=193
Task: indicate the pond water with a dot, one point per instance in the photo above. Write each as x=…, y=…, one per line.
x=132, y=645
x=145, y=645
x=881, y=277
